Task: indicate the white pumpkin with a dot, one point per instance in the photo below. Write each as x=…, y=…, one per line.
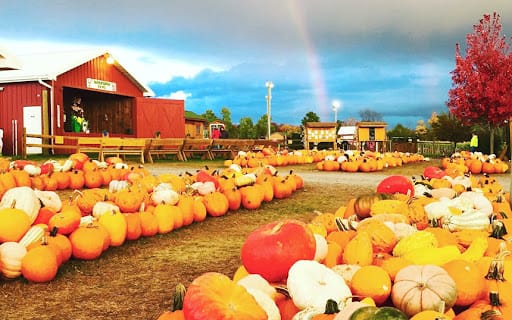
x=11, y=254
x=120, y=165
x=346, y=271
x=63, y=166
x=321, y=248
x=101, y=207
x=266, y=303
x=311, y=284
x=49, y=199
x=118, y=185
x=256, y=281
x=23, y=198
x=203, y=188
x=32, y=170
x=100, y=164
x=417, y=288
x=164, y=194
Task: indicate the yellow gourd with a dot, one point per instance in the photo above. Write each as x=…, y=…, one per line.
x=415, y=242
x=432, y=255
x=389, y=206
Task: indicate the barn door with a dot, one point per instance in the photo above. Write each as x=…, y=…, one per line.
x=32, y=121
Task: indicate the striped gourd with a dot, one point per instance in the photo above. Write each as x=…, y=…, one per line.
x=35, y=233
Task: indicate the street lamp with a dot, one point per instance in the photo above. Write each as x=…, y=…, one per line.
x=269, y=86
x=335, y=106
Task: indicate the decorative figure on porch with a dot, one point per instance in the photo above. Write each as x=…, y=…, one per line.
x=78, y=122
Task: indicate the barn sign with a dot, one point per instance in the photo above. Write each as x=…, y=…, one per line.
x=101, y=85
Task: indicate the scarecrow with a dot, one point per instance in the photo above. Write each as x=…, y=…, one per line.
x=78, y=122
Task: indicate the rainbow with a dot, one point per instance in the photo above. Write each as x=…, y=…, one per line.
x=317, y=77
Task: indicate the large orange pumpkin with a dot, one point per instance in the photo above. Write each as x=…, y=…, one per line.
x=216, y=203
x=213, y=296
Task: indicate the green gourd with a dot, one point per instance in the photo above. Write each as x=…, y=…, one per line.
x=375, y=313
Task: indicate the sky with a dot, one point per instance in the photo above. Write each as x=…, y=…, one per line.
x=393, y=57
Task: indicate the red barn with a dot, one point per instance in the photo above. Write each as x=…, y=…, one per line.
x=79, y=93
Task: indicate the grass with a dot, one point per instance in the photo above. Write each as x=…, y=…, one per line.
x=136, y=280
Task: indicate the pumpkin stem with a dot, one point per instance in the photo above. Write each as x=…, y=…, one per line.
x=331, y=307
x=179, y=294
x=496, y=269
x=54, y=231
x=498, y=229
x=491, y=315
x=282, y=290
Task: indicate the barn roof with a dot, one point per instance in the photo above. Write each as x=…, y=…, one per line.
x=49, y=65
x=7, y=60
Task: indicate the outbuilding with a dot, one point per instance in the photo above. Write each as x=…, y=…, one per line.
x=81, y=93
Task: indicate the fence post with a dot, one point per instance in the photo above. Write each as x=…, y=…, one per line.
x=24, y=144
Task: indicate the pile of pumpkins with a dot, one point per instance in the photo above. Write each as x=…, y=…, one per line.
x=270, y=156
x=475, y=163
x=413, y=249
x=366, y=161
x=106, y=204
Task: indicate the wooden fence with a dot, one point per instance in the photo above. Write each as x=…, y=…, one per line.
x=186, y=148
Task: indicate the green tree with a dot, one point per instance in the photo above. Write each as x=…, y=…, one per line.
x=226, y=118
x=261, y=127
x=246, y=129
x=370, y=115
x=421, y=129
x=310, y=117
x=446, y=127
x=209, y=115
x=399, y=131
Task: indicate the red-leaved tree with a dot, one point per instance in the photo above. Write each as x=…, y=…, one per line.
x=482, y=80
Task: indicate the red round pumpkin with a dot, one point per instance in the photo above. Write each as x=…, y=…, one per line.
x=272, y=249
x=396, y=184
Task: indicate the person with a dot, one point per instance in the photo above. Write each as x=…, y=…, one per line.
x=223, y=133
x=215, y=133
x=473, y=144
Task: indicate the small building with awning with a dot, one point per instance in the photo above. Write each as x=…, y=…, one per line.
x=81, y=93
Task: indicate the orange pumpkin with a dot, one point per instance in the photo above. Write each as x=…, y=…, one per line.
x=66, y=221
x=359, y=250
x=133, y=226
x=39, y=264
x=382, y=237
x=251, y=197
x=222, y=297
x=468, y=280
x=371, y=281
x=216, y=204
x=87, y=242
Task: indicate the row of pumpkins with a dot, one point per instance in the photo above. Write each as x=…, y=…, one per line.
x=476, y=163
x=413, y=249
x=355, y=161
x=328, y=160
x=39, y=230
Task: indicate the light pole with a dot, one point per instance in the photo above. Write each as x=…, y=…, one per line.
x=269, y=86
x=335, y=106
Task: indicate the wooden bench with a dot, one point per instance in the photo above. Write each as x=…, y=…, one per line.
x=121, y=147
x=89, y=145
x=226, y=148
x=197, y=146
x=260, y=144
x=164, y=147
